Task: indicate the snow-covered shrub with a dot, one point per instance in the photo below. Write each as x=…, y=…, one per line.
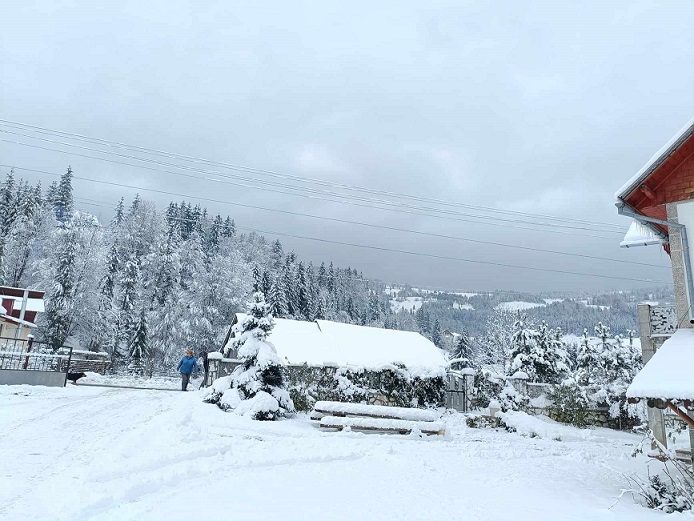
x=673, y=491
x=257, y=385
x=392, y=385
x=478, y=421
x=486, y=387
x=569, y=404
x=668, y=495
x=607, y=366
x=538, y=352
x=511, y=399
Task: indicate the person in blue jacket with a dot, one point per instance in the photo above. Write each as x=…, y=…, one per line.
x=186, y=366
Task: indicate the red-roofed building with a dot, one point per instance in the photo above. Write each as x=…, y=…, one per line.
x=18, y=311
x=660, y=199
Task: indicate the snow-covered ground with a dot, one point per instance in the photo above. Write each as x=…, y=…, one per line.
x=408, y=304
x=517, y=305
x=157, y=382
x=458, y=305
x=91, y=453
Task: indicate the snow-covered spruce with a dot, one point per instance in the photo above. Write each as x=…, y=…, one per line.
x=256, y=388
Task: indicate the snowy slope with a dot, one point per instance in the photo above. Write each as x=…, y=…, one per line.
x=93, y=454
x=517, y=306
x=408, y=304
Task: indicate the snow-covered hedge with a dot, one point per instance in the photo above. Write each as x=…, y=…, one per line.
x=392, y=386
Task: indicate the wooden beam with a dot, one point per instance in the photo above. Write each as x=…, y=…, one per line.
x=683, y=415
x=647, y=192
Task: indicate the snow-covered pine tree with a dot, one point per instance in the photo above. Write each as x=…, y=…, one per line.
x=462, y=351
x=62, y=200
x=139, y=348
x=257, y=385
x=278, y=297
x=265, y=283
x=128, y=301
x=257, y=279
x=59, y=301
x=119, y=215
x=524, y=351
x=303, y=293
x=436, y=337
x=548, y=360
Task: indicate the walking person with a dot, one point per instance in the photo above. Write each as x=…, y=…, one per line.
x=186, y=366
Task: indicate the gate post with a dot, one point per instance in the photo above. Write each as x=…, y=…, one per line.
x=30, y=342
x=656, y=422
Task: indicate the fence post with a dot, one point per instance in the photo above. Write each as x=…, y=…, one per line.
x=656, y=421
x=30, y=342
x=67, y=368
x=520, y=382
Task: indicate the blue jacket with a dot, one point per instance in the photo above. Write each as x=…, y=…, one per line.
x=187, y=365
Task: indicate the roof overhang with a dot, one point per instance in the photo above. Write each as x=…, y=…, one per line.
x=19, y=292
x=14, y=320
x=655, y=162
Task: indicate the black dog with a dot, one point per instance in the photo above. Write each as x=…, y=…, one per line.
x=73, y=377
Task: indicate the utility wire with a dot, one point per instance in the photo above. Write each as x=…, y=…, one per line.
x=445, y=257
x=290, y=187
x=44, y=131
x=380, y=248
x=511, y=224
x=345, y=221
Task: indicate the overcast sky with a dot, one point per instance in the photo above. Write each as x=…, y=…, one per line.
x=543, y=108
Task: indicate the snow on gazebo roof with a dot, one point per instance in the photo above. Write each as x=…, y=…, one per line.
x=326, y=343
x=670, y=373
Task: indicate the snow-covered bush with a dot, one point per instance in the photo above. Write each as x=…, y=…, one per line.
x=569, y=404
x=257, y=387
x=669, y=495
x=489, y=387
x=538, y=352
x=393, y=385
x=608, y=365
x=486, y=387
x=673, y=491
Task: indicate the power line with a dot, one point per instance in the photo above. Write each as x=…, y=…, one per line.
x=170, y=155
x=346, y=221
x=290, y=187
x=381, y=248
x=510, y=224
x=445, y=257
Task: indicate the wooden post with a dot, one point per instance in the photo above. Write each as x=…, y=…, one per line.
x=30, y=342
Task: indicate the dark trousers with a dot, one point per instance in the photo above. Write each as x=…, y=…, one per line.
x=185, y=378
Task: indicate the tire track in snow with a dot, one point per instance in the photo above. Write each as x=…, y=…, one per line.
x=143, y=486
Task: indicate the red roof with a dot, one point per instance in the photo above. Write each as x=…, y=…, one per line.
x=667, y=178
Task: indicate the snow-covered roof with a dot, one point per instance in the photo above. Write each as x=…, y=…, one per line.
x=654, y=162
x=639, y=235
x=16, y=320
x=668, y=375
x=335, y=344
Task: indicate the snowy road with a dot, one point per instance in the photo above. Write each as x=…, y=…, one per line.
x=115, y=454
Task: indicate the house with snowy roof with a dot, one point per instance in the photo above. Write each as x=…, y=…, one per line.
x=323, y=343
x=659, y=199
x=18, y=311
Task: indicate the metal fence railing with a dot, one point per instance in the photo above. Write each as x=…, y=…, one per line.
x=31, y=355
